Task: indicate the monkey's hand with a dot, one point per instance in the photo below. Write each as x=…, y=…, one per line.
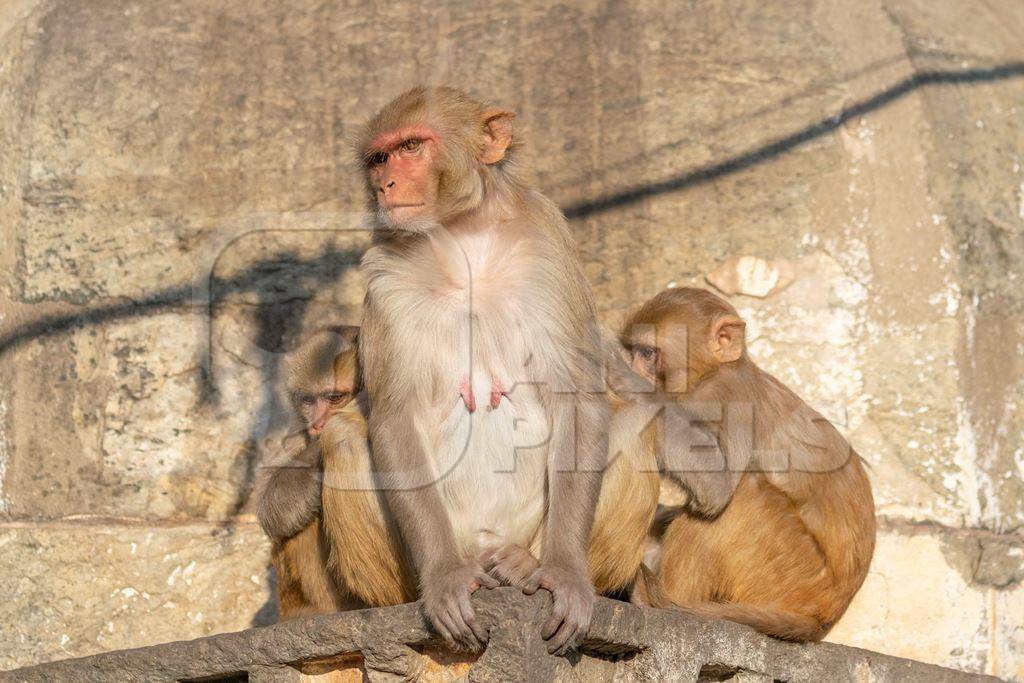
x=573, y=605
x=446, y=603
x=289, y=500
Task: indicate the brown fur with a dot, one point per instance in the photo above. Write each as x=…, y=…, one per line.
x=304, y=586
x=793, y=546
x=626, y=506
x=366, y=552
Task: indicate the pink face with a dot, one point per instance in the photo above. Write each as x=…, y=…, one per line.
x=401, y=172
x=317, y=408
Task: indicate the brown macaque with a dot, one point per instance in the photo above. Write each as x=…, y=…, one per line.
x=367, y=555
x=793, y=546
x=481, y=358
x=335, y=545
x=322, y=378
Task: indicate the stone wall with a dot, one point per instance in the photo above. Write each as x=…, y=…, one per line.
x=177, y=206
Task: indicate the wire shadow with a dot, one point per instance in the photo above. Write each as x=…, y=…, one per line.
x=779, y=146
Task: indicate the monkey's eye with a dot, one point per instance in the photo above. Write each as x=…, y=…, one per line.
x=377, y=158
x=645, y=352
x=411, y=145
x=336, y=397
x=307, y=399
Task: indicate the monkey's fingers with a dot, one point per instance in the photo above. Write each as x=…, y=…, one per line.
x=460, y=629
x=564, y=639
x=437, y=621
x=536, y=582
x=569, y=634
x=484, y=580
x=469, y=616
x=559, y=611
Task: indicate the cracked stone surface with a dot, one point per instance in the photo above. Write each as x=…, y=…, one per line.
x=624, y=643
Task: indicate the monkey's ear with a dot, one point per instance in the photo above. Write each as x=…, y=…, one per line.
x=727, y=338
x=497, y=135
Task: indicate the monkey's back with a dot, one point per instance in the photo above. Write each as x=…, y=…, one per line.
x=794, y=545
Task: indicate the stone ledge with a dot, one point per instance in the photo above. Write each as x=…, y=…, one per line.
x=624, y=642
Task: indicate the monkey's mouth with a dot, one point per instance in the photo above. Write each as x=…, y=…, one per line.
x=392, y=207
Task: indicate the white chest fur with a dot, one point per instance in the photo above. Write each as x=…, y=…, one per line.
x=473, y=307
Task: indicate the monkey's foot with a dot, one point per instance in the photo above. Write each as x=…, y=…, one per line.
x=466, y=392
x=511, y=564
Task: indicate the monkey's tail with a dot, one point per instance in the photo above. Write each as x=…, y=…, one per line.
x=779, y=623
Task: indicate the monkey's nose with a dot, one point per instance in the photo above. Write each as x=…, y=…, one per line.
x=384, y=188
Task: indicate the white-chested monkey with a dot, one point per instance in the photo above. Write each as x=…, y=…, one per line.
x=479, y=348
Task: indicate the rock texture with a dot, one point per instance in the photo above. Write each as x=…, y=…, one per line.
x=624, y=642
x=177, y=206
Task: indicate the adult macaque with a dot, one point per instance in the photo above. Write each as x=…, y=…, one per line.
x=322, y=378
x=480, y=354
x=793, y=546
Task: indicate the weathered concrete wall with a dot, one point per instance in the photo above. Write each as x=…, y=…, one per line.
x=177, y=205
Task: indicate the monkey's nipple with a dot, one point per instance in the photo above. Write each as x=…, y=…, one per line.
x=497, y=391
x=466, y=392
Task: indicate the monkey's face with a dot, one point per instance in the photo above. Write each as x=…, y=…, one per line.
x=316, y=408
x=323, y=379
x=659, y=353
x=427, y=156
x=403, y=172
x=643, y=356
x=680, y=336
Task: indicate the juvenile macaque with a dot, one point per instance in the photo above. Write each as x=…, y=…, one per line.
x=335, y=546
x=793, y=546
x=480, y=355
x=322, y=378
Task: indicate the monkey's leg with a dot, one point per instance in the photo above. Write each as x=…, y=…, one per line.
x=755, y=565
x=511, y=564
x=303, y=585
x=689, y=570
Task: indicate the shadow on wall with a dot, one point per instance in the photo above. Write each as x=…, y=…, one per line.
x=277, y=319
x=781, y=145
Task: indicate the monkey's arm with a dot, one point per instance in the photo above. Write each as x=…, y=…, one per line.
x=446, y=578
x=687, y=451
x=289, y=493
x=410, y=487
x=579, y=451
x=708, y=465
